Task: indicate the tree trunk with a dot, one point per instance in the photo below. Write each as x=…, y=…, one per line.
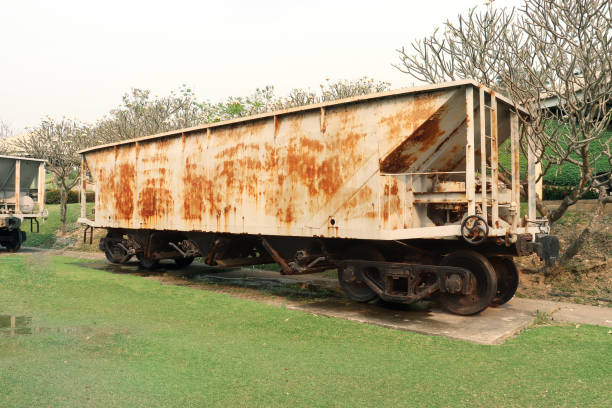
x=63, y=208
x=577, y=193
x=577, y=245
x=558, y=212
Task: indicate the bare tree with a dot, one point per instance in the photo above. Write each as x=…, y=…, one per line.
x=296, y=97
x=332, y=90
x=265, y=100
x=259, y=101
x=142, y=115
x=5, y=132
x=57, y=142
x=554, y=57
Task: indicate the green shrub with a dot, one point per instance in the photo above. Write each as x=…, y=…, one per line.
x=552, y=192
x=53, y=197
x=563, y=175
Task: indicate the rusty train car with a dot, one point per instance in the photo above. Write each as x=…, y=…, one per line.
x=399, y=191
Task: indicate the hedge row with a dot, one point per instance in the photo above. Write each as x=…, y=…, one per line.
x=551, y=192
x=564, y=175
x=53, y=197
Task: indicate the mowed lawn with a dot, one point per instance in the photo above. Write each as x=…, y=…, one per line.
x=105, y=339
x=48, y=228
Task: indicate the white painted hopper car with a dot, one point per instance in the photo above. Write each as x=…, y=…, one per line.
x=400, y=191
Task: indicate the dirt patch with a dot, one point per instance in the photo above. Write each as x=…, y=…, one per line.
x=587, y=278
x=75, y=237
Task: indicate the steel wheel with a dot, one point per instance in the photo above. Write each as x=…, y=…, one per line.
x=507, y=280
x=350, y=279
x=15, y=245
x=12, y=247
x=183, y=262
x=484, y=283
x=115, y=253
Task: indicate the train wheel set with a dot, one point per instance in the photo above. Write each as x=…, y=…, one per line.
x=463, y=281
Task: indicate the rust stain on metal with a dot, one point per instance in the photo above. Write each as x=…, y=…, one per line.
x=394, y=189
x=448, y=138
x=392, y=205
x=195, y=184
x=123, y=191
x=420, y=109
x=454, y=157
x=276, y=124
x=153, y=202
x=424, y=137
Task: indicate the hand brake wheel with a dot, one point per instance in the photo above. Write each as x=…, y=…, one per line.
x=474, y=229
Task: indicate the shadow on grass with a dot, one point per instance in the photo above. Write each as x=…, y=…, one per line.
x=285, y=287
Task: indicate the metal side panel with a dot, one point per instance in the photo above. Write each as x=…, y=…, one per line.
x=312, y=172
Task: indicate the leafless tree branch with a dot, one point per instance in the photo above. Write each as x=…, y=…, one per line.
x=553, y=57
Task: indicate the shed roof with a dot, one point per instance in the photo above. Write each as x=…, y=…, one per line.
x=21, y=158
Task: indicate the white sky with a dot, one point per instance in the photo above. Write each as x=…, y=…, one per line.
x=77, y=58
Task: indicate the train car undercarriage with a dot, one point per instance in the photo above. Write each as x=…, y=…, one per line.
x=463, y=278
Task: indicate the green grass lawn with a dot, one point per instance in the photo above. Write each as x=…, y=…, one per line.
x=48, y=228
x=121, y=340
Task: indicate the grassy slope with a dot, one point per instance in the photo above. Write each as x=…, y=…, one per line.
x=47, y=235
x=564, y=175
x=138, y=343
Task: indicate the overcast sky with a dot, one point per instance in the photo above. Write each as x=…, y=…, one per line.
x=77, y=58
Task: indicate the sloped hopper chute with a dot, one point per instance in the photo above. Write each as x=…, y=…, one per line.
x=438, y=142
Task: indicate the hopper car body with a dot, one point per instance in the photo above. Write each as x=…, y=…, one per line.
x=400, y=191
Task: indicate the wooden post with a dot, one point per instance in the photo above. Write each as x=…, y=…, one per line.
x=483, y=152
x=17, y=186
x=514, y=147
x=41, y=187
x=470, y=176
x=83, y=188
x=494, y=164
